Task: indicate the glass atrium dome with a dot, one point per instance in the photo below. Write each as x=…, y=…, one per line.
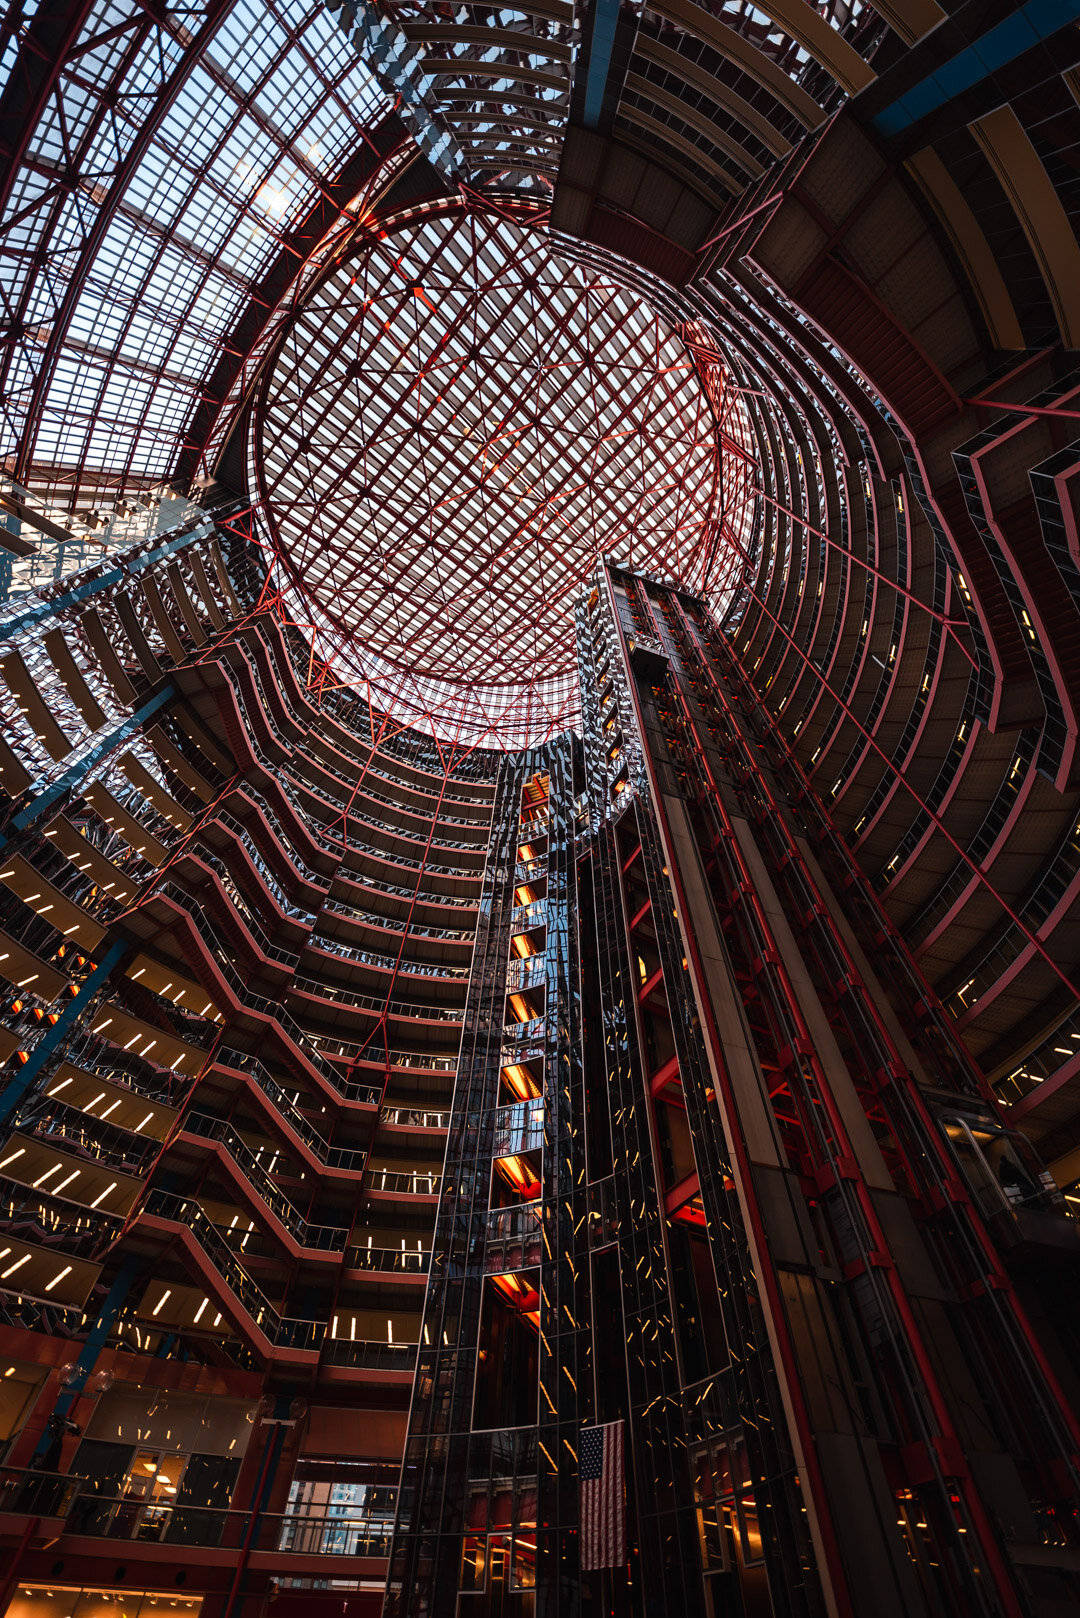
x=458, y=423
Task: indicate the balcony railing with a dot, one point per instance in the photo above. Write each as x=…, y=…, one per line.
x=294, y=911
x=334, y=1157
x=387, y=1260
x=55, y=1124
x=321, y=1238
x=358, y=1050
x=370, y=1355
x=368, y=918
x=415, y=1117
x=386, y=963
x=406, y=1182
x=281, y=1330
x=271, y=1009
x=248, y=790
x=332, y=1530
x=342, y=994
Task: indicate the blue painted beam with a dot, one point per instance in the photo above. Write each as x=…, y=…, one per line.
x=24, y=618
x=1026, y=28
x=44, y=794
x=19, y=1086
x=600, y=48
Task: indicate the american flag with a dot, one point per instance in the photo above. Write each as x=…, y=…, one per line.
x=603, y=1496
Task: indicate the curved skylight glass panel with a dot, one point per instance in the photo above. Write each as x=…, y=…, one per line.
x=175, y=151
x=456, y=426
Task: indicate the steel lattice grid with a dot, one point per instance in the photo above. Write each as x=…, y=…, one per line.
x=456, y=426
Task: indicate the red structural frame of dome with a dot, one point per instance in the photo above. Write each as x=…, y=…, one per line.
x=480, y=572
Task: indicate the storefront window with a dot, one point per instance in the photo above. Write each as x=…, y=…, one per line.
x=81, y=1601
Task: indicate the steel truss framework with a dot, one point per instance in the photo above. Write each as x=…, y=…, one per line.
x=456, y=425
x=174, y=181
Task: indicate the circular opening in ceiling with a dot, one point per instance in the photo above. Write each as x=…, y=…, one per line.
x=455, y=427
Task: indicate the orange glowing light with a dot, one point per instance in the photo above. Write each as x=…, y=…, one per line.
x=520, y=1081
x=521, y=1008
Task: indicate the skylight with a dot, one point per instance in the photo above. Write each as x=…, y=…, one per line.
x=456, y=426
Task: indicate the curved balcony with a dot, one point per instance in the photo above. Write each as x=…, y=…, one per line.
x=230, y=984
x=361, y=1053
x=239, y=1296
x=369, y=918
x=252, y=1176
x=398, y=845
x=302, y=915
x=426, y=1119
x=273, y=955
x=358, y=787
x=293, y=748
x=285, y=1108
x=295, y=865
x=469, y=770
x=341, y=994
x=388, y=1261
x=416, y=1184
x=417, y=896
x=80, y=1134
x=371, y=1355
x=285, y=703
x=335, y=951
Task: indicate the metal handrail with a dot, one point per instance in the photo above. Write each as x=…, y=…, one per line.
x=394, y=1260
x=344, y=995
x=282, y=1330
x=330, y=1530
x=320, y=1238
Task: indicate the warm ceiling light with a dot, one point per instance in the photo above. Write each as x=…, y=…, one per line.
x=521, y=1008
x=520, y=1081
x=519, y=1173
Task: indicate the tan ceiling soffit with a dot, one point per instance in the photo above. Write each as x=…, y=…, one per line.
x=1038, y=207
x=704, y=26
x=652, y=50
x=647, y=148
x=696, y=120
x=970, y=246
x=642, y=121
